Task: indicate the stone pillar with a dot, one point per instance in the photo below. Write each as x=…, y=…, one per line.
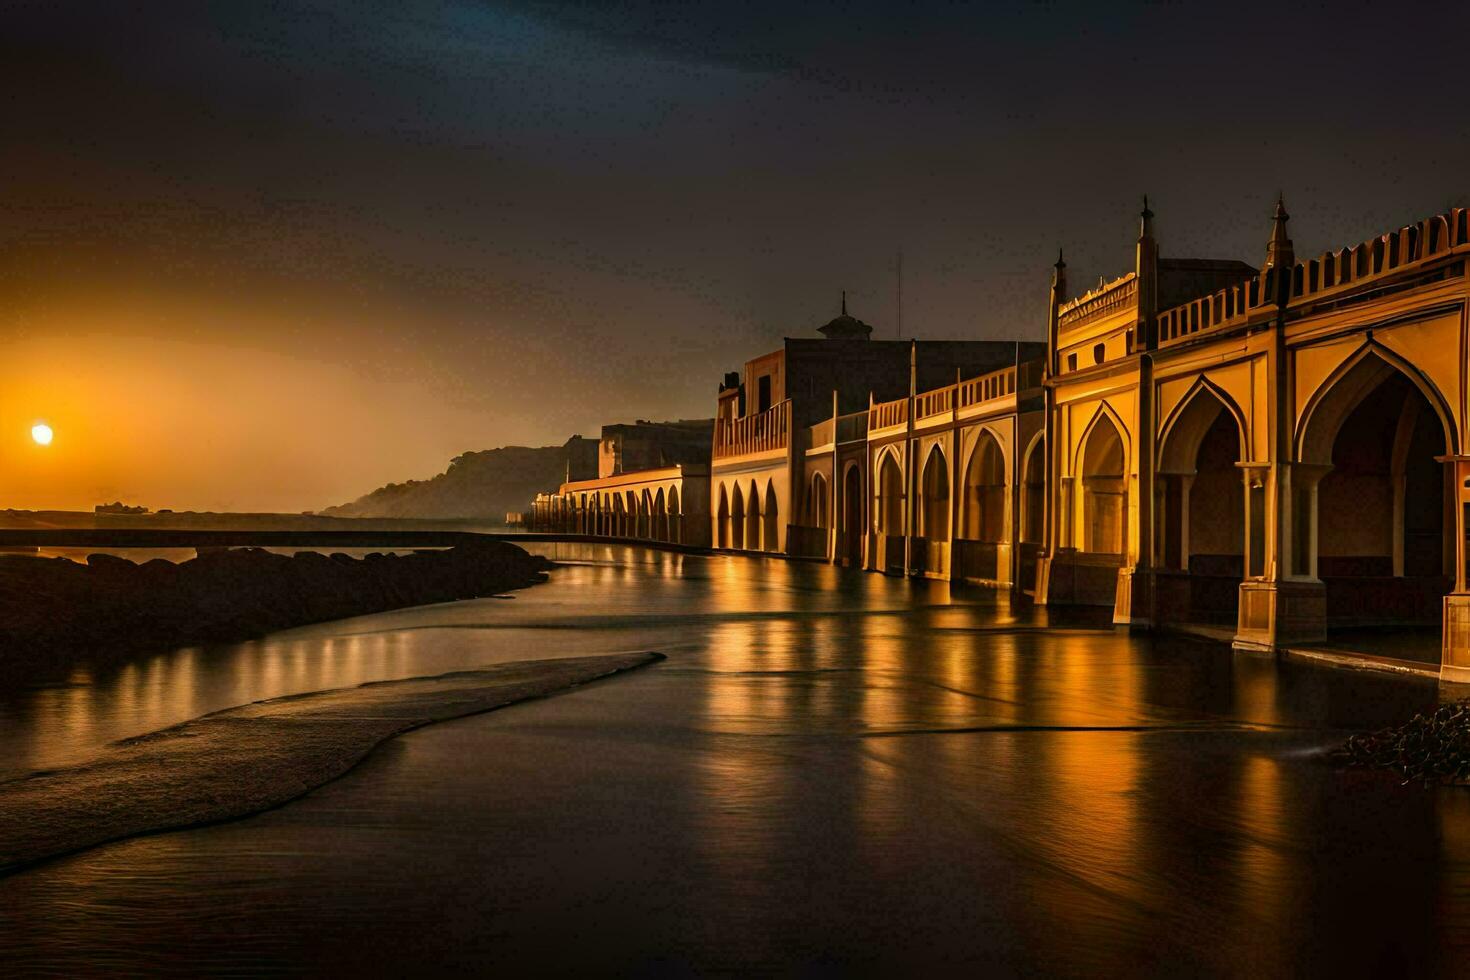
x=1288, y=602
x=1455, y=630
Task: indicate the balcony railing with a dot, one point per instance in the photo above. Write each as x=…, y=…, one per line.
x=937, y=402
x=763, y=432
x=988, y=387
x=886, y=414
x=852, y=428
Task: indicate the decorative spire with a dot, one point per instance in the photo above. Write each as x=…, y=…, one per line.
x=1061, y=263
x=1279, y=251
x=1145, y=221
x=844, y=302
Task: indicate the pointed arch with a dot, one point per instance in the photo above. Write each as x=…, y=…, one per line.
x=1104, y=413
x=771, y=516
x=985, y=490
x=753, y=518
x=674, y=518
x=853, y=529
x=889, y=484
x=1033, y=489
x=660, y=517
x=1182, y=432
x=1103, y=471
x=1377, y=525
x=934, y=513
x=722, y=520
x=1336, y=397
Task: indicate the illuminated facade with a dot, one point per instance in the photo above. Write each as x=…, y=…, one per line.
x=1268, y=452
x=1280, y=453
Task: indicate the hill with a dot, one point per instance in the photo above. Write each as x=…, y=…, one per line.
x=484, y=485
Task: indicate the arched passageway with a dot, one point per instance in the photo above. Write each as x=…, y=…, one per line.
x=753, y=519
x=722, y=520
x=674, y=522
x=816, y=502
x=1033, y=494
x=771, y=530
x=1382, y=502
x=890, y=496
x=983, y=512
x=934, y=514
x=1104, y=489
x=660, y=516
x=853, y=528
x=737, y=518
x=1202, y=508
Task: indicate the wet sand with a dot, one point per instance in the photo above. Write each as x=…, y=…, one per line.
x=249, y=759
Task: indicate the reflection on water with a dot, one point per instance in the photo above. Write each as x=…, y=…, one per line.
x=832, y=769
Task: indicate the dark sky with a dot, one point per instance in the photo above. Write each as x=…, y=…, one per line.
x=270, y=255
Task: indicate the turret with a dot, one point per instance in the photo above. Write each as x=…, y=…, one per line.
x=1146, y=270
x=1280, y=258
x=1054, y=305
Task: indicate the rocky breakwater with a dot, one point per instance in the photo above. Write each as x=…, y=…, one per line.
x=54, y=610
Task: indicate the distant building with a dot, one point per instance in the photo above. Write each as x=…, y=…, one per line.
x=794, y=417
x=652, y=483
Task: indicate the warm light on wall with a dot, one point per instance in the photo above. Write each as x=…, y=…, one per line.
x=41, y=434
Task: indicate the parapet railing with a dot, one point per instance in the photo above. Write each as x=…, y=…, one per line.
x=1427, y=239
x=853, y=427
x=1105, y=299
x=758, y=433
x=1218, y=309
x=1396, y=251
x=940, y=401
x=987, y=387
x=882, y=415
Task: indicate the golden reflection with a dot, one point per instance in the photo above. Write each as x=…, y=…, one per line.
x=1266, y=878
x=1255, y=680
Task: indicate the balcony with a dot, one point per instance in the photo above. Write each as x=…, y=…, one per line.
x=765, y=432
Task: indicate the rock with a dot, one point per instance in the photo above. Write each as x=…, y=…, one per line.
x=54, y=612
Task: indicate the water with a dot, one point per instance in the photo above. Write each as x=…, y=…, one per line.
x=833, y=772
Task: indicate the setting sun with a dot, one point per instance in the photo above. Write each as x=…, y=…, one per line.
x=41, y=434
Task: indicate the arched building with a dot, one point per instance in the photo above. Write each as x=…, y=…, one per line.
x=1276, y=449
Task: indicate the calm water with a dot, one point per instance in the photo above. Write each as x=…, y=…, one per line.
x=833, y=772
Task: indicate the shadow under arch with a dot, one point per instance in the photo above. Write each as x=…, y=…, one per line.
x=1345, y=388
x=1101, y=467
x=1209, y=525
x=1185, y=428
x=1372, y=504
x=983, y=514
x=934, y=490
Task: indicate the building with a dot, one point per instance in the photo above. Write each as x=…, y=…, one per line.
x=1271, y=451
x=652, y=484
x=792, y=418
x=1276, y=449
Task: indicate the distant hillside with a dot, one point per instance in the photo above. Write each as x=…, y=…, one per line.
x=483, y=485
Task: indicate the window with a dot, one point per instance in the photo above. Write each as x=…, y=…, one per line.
x=1071, y=362
x=763, y=393
x=1099, y=352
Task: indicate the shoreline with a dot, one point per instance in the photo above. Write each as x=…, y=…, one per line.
x=258, y=756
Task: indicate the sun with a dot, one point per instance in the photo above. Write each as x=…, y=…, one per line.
x=41, y=434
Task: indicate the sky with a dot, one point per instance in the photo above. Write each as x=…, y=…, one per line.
x=270, y=255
